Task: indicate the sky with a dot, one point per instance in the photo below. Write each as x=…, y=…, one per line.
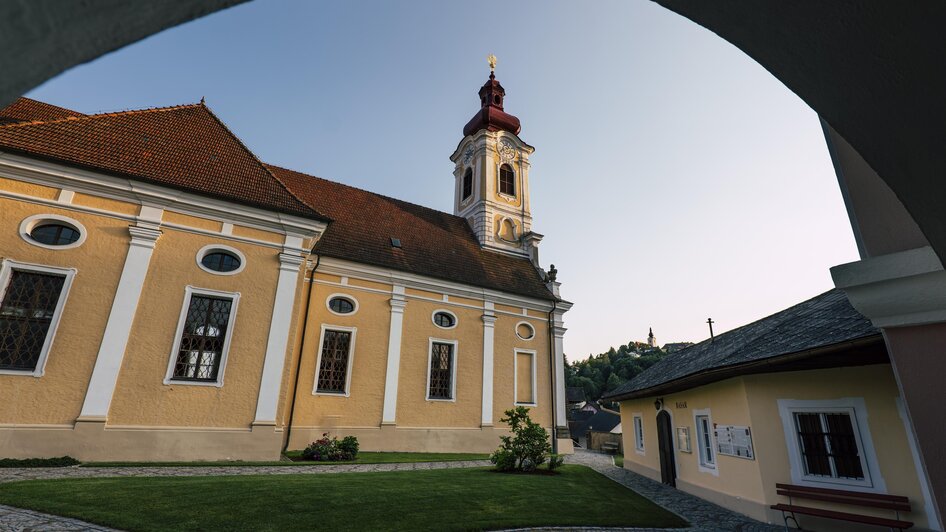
x=674, y=178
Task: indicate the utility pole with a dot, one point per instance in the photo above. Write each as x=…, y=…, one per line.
x=710, y=322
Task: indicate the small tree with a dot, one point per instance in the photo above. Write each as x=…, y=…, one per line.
x=527, y=448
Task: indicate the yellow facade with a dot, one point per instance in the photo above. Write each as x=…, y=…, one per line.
x=748, y=486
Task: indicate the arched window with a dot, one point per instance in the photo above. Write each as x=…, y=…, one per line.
x=507, y=180
x=467, y=184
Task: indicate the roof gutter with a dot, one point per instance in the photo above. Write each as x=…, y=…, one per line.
x=726, y=372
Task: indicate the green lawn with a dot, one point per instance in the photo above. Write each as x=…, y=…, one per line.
x=446, y=499
x=363, y=458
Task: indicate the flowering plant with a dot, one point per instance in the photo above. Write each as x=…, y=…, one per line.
x=330, y=449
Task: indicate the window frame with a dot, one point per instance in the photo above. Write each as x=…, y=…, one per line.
x=189, y=292
x=7, y=267
x=515, y=385
x=31, y=222
x=433, y=319
x=453, y=370
x=463, y=196
x=531, y=328
x=712, y=465
x=856, y=408
x=328, y=306
x=212, y=248
x=638, y=422
x=351, y=358
x=499, y=182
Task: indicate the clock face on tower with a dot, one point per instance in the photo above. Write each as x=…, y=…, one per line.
x=507, y=151
x=468, y=154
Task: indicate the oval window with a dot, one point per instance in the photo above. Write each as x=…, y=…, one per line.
x=525, y=331
x=221, y=261
x=55, y=234
x=445, y=320
x=340, y=305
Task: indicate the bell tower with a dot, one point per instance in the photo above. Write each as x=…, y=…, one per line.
x=492, y=176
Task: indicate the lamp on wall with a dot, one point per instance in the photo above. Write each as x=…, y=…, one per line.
x=658, y=403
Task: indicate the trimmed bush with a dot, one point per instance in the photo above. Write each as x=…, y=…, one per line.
x=62, y=461
x=527, y=448
x=329, y=449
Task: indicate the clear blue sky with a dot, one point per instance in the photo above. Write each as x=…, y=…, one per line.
x=674, y=178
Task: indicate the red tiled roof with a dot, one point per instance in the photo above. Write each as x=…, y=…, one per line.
x=185, y=147
x=433, y=243
x=27, y=110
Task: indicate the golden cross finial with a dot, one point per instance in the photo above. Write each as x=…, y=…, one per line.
x=491, y=59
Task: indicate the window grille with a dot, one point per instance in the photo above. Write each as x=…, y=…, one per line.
x=333, y=369
x=828, y=445
x=441, y=371
x=507, y=180
x=26, y=313
x=205, y=331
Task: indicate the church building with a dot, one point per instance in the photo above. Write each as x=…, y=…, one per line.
x=166, y=295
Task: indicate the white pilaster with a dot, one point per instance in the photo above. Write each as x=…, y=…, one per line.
x=275, y=359
x=398, y=303
x=108, y=362
x=489, y=321
x=558, y=357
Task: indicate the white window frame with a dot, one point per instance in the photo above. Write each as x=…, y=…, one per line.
x=348, y=297
x=351, y=358
x=453, y=370
x=515, y=384
x=531, y=328
x=189, y=292
x=705, y=465
x=856, y=408
x=30, y=222
x=499, y=182
x=7, y=267
x=638, y=422
x=211, y=248
x=433, y=318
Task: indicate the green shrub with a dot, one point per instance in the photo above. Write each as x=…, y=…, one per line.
x=527, y=448
x=555, y=461
x=329, y=449
x=62, y=461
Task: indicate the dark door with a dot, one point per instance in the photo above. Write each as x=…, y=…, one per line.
x=668, y=469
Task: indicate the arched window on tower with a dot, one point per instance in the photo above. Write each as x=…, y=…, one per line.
x=467, y=184
x=507, y=180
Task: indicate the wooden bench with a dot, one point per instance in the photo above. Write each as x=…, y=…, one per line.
x=609, y=447
x=854, y=498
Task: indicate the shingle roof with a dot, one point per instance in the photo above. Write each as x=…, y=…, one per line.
x=824, y=320
x=184, y=147
x=27, y=110
x=433, y=243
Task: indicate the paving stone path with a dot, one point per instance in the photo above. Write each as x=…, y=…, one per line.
x=701, y=514
x=19, y=520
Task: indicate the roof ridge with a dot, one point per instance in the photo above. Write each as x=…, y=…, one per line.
x=85, y=117
x=368, y=192
x=61, y=108
x=255, y=158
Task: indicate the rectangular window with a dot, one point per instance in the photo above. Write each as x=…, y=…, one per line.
x=828, y=445
x=334, y=361
x=638, y=433
x=440, y=381
x=525, y=378
x=704, y=434
x=203, y=337
x=31, y=301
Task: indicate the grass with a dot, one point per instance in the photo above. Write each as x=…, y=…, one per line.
x=619, y=460
x=446, y=499
x=363, y=458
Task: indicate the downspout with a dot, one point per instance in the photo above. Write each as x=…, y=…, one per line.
x=295, y=385
x=552, y=375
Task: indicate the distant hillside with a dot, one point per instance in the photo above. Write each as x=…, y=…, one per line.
x=605, y=372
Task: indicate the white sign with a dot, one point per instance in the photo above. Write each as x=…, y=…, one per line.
x=733, y=440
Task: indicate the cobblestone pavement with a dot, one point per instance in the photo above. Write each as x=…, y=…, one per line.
x=701, y=514
x=18, y=520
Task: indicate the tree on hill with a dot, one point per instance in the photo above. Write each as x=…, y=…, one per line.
x=605, y=372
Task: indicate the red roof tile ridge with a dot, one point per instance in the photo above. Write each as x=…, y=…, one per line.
x=399, y=200
x=59, y=107
x=84, y=117
x=263, y=165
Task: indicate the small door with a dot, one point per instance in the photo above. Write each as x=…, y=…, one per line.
x=668, y=468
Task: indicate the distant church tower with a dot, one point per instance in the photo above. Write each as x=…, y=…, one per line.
x=492, y=176
x=651, y=339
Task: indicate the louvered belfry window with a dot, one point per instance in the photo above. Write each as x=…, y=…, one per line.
x=333, y=370
x=441, y=371
x=26, y=313
x=205, y=332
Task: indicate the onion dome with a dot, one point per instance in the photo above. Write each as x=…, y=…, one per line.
x=491, y=115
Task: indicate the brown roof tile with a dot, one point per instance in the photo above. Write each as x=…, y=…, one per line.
x=433, y=243
x=185, y=147
x=27, y=110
